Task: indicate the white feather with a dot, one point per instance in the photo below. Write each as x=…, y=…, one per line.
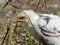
x=51, y=35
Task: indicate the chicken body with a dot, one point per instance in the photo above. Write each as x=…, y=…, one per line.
x=46, y=25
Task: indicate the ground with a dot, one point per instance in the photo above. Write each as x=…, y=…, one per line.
x=52, y=6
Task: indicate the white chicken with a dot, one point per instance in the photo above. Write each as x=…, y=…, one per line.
x=46, y=25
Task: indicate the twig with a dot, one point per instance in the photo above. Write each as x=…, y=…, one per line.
x=45, y=5
x=5, y=35
x=6, y=4
x=13, y=5
x=37, y=5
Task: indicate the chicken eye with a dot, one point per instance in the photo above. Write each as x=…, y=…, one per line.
x=44, y=21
